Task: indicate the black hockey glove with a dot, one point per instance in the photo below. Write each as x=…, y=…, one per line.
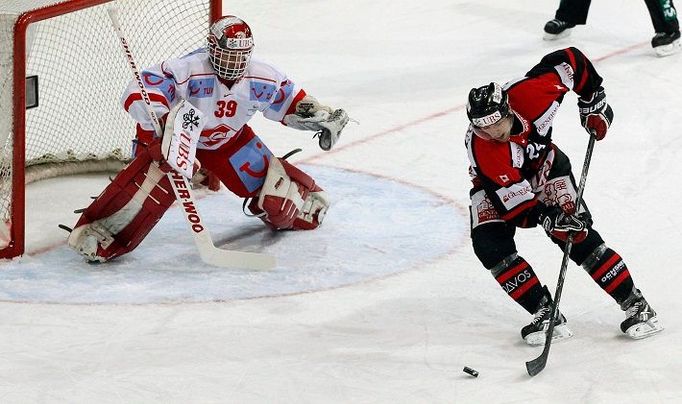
x=559, y=225
x=595, y=114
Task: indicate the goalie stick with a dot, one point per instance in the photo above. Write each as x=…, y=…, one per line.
x=208, y=252
x=536, y=365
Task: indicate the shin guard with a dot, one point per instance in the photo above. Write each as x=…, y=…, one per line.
x=609, y=271
x=290, y=199
x=518, y=279
x=124, y=213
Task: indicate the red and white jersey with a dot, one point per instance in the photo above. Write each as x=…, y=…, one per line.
x=263, y=88
x=504, y=170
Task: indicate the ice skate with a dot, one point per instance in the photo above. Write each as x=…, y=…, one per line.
x=640, y=319
x=535, y=332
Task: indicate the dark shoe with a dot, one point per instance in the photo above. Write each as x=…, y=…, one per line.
x=556, y=29
x=666, y=43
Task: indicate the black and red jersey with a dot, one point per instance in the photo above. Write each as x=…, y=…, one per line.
x=504, y=169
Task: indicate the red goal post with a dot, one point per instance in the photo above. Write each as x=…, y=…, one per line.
x=61, y=78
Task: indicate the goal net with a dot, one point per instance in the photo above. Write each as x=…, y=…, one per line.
x=63, y=73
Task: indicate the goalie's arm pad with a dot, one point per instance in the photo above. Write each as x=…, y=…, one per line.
x=309, y=114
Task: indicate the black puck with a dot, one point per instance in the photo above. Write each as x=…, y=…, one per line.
x=472, y=372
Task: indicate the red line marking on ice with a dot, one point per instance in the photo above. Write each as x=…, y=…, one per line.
x=383, y=133
x=435, y=115
x=621, y=51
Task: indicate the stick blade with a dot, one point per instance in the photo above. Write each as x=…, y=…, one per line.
x=238, y=259
x=536, y=365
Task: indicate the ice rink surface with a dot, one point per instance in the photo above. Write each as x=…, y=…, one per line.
x=386, y=302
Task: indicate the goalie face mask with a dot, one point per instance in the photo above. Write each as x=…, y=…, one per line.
x=230, y=44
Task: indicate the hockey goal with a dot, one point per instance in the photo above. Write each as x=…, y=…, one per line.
x=61, y=77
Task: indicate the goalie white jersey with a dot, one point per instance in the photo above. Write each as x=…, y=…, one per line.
x=262, y=88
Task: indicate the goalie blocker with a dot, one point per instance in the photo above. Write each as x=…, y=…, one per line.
x=136, y=199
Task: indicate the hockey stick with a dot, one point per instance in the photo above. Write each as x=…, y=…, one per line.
x=208, y=252
x=536, y=365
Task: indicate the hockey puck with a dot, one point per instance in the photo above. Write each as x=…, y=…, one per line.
x=472, y=372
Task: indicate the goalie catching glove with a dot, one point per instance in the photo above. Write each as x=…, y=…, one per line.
x=559, y=225
x=595, y=114
x=311, y=115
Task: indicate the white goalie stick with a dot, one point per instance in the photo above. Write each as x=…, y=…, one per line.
x=209, y=253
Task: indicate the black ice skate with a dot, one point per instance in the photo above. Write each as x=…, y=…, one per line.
x=535, y=332
x=640, y=319
x=666, y=43
x=556, y=29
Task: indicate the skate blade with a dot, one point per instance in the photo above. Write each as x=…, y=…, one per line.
x=554, y=37
x=667, y=50
x=538, y=338
x=643, y=330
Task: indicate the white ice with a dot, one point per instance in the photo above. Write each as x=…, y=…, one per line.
x=403, y=70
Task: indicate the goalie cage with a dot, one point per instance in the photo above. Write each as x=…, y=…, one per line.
x=74, y=123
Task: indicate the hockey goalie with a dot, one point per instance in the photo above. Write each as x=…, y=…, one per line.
x=227, y=88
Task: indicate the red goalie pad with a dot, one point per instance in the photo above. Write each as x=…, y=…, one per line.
x=125, y=212
x=290, y=199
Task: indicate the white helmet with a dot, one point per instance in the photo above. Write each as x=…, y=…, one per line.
x=230, y=44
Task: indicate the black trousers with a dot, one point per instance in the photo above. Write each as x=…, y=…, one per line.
x=662, y=12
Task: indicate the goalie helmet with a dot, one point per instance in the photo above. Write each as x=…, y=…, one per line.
x=230, y=44
x=487, y=105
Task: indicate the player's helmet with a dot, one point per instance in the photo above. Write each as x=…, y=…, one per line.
x=230, y=44
x=487, y=105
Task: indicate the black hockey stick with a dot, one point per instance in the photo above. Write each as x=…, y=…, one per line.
x=538, y=364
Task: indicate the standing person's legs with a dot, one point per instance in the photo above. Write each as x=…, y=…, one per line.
x=573, y=11
x=663, y=15
x=667, y=27
x=569, y=14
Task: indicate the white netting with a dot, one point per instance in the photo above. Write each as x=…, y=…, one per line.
x=82, y=73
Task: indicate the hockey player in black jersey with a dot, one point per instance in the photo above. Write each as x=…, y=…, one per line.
x=521, y=179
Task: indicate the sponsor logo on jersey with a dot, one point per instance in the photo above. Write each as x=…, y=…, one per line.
x=160, y=83
x=260, y=91
x=282, y=95
x=565, y=72
x=201, y=88
x=250, y=163
x=514, y=195
x=211, y=138
x=517, y=155
x=544, y=122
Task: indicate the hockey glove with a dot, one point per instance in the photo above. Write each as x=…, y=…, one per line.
x=595, y=114
x=311, y=115
x=559, y=225
x=331, y=129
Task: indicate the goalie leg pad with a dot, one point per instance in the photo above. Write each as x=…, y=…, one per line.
x=290, y=199
x=124, y=213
